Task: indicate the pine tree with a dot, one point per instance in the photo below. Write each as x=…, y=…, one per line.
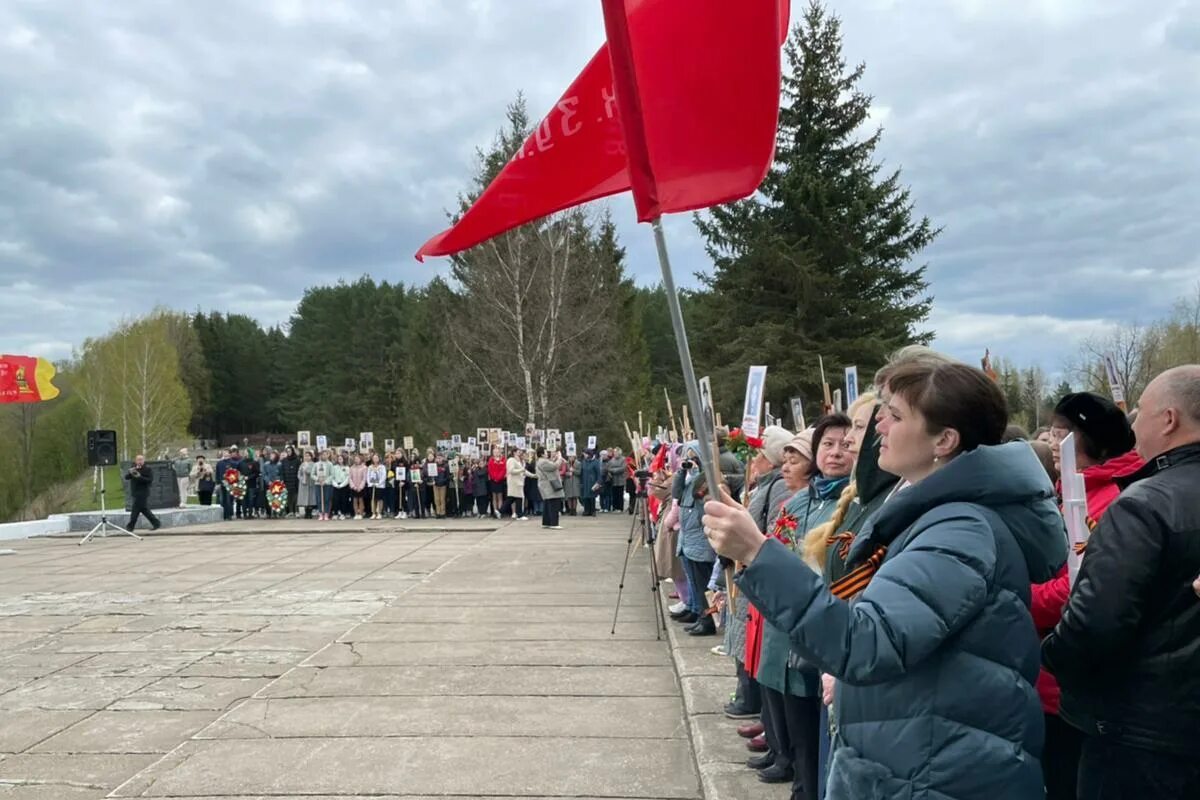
x=819, y=262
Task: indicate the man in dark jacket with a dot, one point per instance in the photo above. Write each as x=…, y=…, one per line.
x=140, y=478
x=1127, y=651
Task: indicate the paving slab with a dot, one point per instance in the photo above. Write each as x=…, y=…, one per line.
x=470, y=766
x=421, y=632
x=466, y=681
x=127, y=732
x=25, y=728
x=654, y=718
x=83, y=770
x=533, y=654
x=190, y=694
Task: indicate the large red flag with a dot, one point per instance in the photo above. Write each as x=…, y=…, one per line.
x=704, y=100
x=698, y=93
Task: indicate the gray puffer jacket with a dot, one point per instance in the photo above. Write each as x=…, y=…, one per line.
x=937, y=657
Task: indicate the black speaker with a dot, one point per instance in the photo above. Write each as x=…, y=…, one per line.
x=101, y=448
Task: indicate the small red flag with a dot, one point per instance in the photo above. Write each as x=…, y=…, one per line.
x=26, y=379
x=701, y=145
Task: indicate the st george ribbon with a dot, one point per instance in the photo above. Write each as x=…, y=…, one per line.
x=680, y=106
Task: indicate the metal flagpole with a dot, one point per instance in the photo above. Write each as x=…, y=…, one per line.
x=703, y=426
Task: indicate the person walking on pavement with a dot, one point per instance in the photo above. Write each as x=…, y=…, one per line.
x=140, y=478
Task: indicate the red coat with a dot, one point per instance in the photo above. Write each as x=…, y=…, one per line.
x=1050, y=598
x=497, y=470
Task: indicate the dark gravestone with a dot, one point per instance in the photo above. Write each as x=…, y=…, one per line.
x=164, y=489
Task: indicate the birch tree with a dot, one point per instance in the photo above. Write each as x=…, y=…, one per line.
x=538, y=313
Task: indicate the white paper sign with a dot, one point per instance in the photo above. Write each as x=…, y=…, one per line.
x=304, y=439
x=456, y=440
x=366, y=441
x=851, y=385
x=571, y=449
x=1074, y=508
x=408, y=443
x=350, y=443
x=752, y=411
x=1114, y=380
x=389, y=445
x=569, y=437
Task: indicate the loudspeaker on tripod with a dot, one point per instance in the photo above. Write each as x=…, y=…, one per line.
x=101, y=448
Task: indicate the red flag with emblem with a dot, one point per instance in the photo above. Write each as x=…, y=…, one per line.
x=26, y=379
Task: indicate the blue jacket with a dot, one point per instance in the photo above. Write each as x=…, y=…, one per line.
x=693, y=543
x=589, y=476
x=938, y=656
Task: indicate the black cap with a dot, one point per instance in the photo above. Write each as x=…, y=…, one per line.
x=1100, y=420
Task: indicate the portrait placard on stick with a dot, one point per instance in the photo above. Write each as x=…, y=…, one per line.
x=591, y=443
x=521, y=442
x=481, y=436
x=431, y=469
x=798, y=413
x=456, y=440
x=530, y=430
x=552, y=434
x=304, y=439
x=322, y=442
x=752, y=411
x=569, y=437
x=851, y=385
x=366, y=441
x=408, y=443
x=389, y=445
x=571, y=449
x=349, y=444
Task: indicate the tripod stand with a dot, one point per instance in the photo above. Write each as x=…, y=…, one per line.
x=641, y=525
x=103, y=526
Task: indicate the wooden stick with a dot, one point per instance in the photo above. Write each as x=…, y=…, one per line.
x=687, y=425
x=671, y=412
x=825, y=387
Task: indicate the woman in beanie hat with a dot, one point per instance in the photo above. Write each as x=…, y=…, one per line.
x=791, y=686
x=769, y=493
x=1104, y=453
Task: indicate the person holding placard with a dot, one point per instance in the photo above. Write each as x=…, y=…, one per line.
x=322, y=481
x=340, y=480
x=376, y=487
x=441, y=484
x=930, y=630
x=1125, y=651
x=550, y=487
x=1104, y=454
x=572, y=471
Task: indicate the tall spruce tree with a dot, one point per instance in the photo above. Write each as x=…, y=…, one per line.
x=819, y=262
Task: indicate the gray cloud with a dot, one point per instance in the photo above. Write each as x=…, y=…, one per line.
x=227, y=154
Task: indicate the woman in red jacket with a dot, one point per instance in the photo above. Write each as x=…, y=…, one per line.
x=497, y=472
x=1103, y=453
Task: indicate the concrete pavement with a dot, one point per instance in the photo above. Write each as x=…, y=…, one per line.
x=369, y=660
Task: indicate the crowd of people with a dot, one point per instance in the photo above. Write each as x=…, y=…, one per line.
x=511, y=483
x=893, y=590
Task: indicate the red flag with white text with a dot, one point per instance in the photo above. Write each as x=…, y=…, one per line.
x=693, y=108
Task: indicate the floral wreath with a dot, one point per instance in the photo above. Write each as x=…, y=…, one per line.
x=743, y=446
x=235, y=483
x=277, y=496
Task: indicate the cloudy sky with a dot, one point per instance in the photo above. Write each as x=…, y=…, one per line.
x=227, y=154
